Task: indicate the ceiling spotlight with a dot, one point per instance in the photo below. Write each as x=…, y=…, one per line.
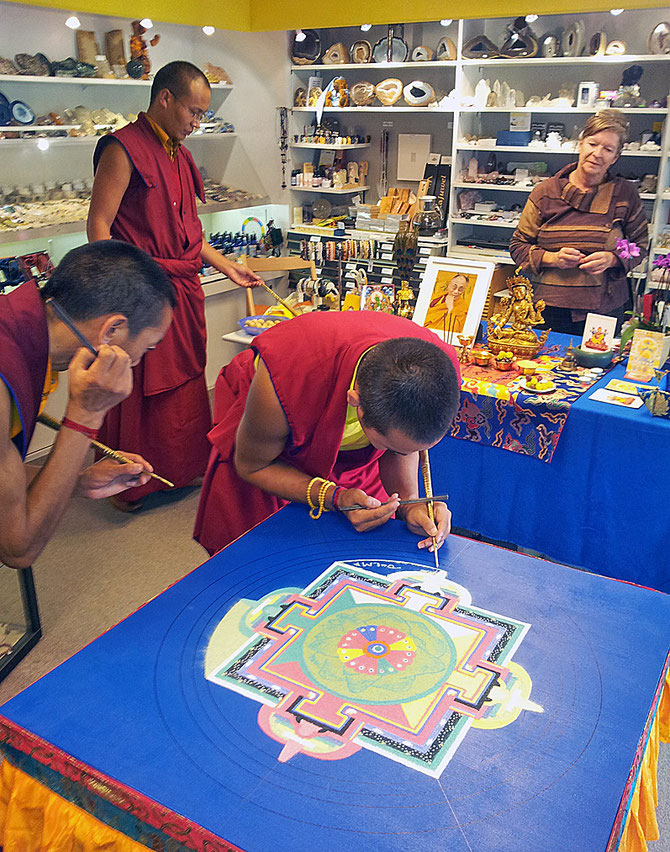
x=208, y=30
x=73, y=22
x=366, y=27
x=147, y=23
x=300, y=35
x=43, y=144
x=446, y=21
x=616, y=11
x=530, y=19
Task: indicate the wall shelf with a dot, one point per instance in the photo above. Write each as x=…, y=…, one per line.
x=565, y=152
x=569, y=61
x=330, y=190
x=382, y=66
x=557, y=110
x=365, y=110
x=315, y=147
x=86, y=81
x=456, y=220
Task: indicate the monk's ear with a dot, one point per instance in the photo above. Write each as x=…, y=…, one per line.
x=114, y=330
x=353, y=398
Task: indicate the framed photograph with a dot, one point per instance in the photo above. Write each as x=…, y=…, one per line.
x=452, y=296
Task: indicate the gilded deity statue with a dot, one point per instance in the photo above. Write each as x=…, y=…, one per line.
x=512, y=327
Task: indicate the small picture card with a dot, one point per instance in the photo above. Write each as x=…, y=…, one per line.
x=377, y=298
x=621, y=386
x=645, y=355
x=613, y=398
x=598, y=332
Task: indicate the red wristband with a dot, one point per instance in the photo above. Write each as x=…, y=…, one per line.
x=91, y=434
x=335, y=506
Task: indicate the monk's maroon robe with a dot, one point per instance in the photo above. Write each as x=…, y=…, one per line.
x=24, y=355
x=311, y=361
x=167, y=416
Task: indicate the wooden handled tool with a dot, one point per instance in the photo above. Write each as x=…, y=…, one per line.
x=428, y=488
x=104, y=449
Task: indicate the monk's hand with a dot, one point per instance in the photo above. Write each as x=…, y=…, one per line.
x=97, y=384
x=376, y=513
x=417, y=520
x=598, y=262
x=108, y=477
x=242, y=276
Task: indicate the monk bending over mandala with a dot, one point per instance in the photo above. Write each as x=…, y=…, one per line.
x=329, y=409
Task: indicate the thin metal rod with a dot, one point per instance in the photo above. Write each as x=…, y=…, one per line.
x=401, y=503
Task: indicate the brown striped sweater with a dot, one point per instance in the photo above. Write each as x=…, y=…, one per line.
x=559, y=214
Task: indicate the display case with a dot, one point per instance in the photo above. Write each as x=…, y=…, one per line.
x=20, y=627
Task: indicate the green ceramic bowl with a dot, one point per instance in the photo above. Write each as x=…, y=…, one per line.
x=593, y=358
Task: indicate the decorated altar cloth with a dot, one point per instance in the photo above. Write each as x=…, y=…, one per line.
x=496, y=410
x=321, y=689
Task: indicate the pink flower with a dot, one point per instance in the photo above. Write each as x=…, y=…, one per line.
x=626, y=249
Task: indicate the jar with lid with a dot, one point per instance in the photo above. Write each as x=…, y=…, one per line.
x=427, y=220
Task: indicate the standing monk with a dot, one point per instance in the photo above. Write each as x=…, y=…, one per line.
x=144, y=193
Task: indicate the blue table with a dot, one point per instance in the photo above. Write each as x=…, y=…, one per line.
x=527, y=690
x=600, y=504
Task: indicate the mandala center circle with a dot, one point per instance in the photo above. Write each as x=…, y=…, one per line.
x=376, y=649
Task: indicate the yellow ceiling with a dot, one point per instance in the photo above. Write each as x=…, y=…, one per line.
x=262, y=15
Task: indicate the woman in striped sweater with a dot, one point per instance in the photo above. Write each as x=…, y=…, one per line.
x=567, y=235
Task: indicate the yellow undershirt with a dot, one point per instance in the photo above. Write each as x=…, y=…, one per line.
x=50, y=385
x=170, y=146
x=353, y=437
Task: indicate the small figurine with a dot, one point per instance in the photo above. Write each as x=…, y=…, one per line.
x=403, y=297
x=138, y=48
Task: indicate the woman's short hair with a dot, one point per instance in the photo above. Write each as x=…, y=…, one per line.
x=607, y=119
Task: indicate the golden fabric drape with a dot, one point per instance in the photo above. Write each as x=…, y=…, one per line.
x=32, y=818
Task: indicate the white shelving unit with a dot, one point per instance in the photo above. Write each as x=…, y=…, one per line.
x=48, y=93
x=535, y=77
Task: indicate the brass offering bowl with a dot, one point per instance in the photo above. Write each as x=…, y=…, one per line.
x=481, y=357
x=526, y=368
x=521, y=348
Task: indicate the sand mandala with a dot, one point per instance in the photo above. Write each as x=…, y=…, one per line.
x=402, y=664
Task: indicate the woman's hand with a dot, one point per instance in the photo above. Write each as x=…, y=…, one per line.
x=565, y=258
x=417, y=520
x=375, y=515
x=598, y=262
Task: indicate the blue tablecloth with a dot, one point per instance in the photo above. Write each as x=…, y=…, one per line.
x=552, y=674
x=601, y=504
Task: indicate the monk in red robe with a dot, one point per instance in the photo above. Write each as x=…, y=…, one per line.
x=329, y=409
x=144, y=193
x=121, y=301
